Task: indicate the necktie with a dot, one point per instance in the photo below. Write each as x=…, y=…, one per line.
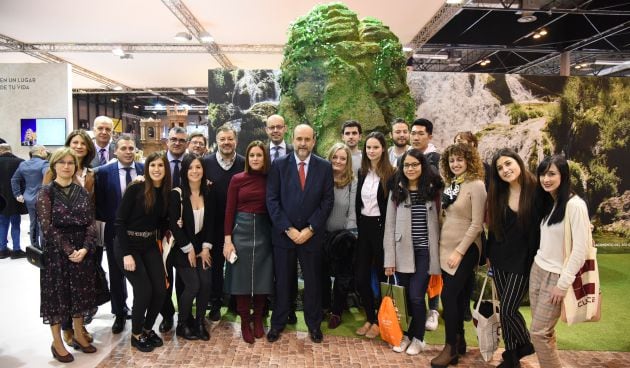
x=276, y=153
x=302, y=174
x=127, y=176
x=176, y=173
x=102, y=160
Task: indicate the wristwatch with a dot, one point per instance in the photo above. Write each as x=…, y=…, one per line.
x=310, y=227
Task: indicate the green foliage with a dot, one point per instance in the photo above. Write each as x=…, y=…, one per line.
x=517, y=114
x=601, y=184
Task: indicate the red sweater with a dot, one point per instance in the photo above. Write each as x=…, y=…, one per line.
x=246, y=193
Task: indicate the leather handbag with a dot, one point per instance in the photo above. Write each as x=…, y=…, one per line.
x=36, y=256
x=583, y=301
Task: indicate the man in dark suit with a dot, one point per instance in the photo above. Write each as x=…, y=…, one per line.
x=276, y=129
x=111, y=181
x=299, y=199
x=105, y=148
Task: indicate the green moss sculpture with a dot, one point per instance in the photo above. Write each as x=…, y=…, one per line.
x=337, y=68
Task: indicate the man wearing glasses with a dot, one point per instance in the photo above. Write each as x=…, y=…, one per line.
x=197, y=144
x=176, y=147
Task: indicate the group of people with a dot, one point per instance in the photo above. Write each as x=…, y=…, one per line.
x=411, y=212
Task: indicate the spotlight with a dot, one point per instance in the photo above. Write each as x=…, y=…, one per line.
x=118, y=51
x=527, y=17
x=205, y=37
x=536, y=35
x=191, y=91
x=543, y=32
x=117, y=88
x=183, y=36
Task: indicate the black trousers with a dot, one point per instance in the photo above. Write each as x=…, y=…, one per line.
x=217, y=269
x=454, y=294
x=511, y=288
x=285, y=264
x=174, y=281
x=197, y=283
x=117, y=283
x=368, y=256
x=149, y=286
x=416, y=286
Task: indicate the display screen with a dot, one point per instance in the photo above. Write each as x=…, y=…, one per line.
x=44, y=131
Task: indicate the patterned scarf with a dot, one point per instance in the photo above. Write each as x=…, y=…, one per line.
x=450, y=194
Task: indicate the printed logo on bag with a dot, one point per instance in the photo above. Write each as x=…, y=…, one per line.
x=582, y=290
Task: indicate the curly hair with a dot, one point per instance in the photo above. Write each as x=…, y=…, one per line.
x=474, y=165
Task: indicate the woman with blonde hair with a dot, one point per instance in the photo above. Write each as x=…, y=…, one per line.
x=341, y=218
x=68, y=283
x=463, y=204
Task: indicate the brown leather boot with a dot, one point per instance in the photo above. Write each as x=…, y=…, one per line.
x=447, y=357
x=242, y=308
x=259, y=309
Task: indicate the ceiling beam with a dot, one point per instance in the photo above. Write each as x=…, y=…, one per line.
x=575, y=11
x=188, y=19
x=437, y=21
x=136, y=47
x=583, y=43
x=19, y=46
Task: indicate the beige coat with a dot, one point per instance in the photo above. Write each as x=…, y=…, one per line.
x=397, y=241
x=463, y=221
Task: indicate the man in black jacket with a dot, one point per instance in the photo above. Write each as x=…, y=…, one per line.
x=11, y=214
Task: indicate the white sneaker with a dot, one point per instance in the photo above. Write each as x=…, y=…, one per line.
x=432, y=320
x=403, y=345
x=416, y=347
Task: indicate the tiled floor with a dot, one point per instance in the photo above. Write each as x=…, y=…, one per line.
x=25, y=341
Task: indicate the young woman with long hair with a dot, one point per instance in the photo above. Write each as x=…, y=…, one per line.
x=191, y=219
x=141, y=219
x=512, y=243
x=463, y=203
x=371, y=208
x=553, y=272
x=247, y=231
x=411, y=240
x=342, y=217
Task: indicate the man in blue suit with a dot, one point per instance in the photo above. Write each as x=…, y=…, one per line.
x=26, y=182
x=111, y=181
x=299, y=199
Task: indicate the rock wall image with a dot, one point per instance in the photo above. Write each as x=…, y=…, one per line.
x=336, y=68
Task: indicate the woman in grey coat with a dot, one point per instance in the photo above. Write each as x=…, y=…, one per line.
x=411, y=239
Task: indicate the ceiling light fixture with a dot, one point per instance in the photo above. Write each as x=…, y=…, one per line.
x=117, y=88
x=118, y=51
x=191, y=91
x=431, y=56
x=610, y=62
x=407, y=49
x=183, y=36
x=484, y=62
x=527, y=17
x=205, y=37
x=454, y=1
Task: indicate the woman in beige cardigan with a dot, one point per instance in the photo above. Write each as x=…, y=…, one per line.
x=463, y=204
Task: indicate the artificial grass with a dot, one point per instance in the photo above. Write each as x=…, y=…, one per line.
x=609, y=334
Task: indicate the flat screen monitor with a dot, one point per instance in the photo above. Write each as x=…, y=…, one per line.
x=45, y=131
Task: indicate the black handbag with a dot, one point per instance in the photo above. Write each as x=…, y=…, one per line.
x=36, y=256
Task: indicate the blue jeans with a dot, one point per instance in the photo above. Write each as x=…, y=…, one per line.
x=14, y=220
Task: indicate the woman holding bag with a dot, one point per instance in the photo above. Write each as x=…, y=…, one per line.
x=553, y=272
x=411, y=240
x=191, y=215
x=463, y=203
x=140, y=221
x=512, y=243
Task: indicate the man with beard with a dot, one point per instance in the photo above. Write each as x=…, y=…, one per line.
x=351, y=135
x=197, y=144
x=400, y=138
x=219, y=168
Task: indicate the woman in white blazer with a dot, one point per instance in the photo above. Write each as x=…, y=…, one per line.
x=411, y=239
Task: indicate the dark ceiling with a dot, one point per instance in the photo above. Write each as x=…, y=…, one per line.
x=596, y=35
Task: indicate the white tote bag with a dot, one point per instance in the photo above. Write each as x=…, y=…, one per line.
x=488, y=327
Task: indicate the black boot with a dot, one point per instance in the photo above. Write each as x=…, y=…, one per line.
x=460, y=344
x=202, y=332
x=447, y=356
x=510, y=360
x=184, y=331
x=525, y=350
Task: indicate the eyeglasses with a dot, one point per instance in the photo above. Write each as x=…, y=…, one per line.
x=65, y=163
x=414, y=165
x=276, y=127
x=176, y=140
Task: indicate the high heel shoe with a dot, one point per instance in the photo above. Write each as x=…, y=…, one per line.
x=61, y=358
x=89, y=349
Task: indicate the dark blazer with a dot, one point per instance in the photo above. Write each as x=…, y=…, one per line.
x=186, y=235
x=290, y=206
x=96, y=161
x=381, y=199
x=108, y=195
x=8, y=165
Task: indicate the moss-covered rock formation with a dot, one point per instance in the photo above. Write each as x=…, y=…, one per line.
x=338, y=68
